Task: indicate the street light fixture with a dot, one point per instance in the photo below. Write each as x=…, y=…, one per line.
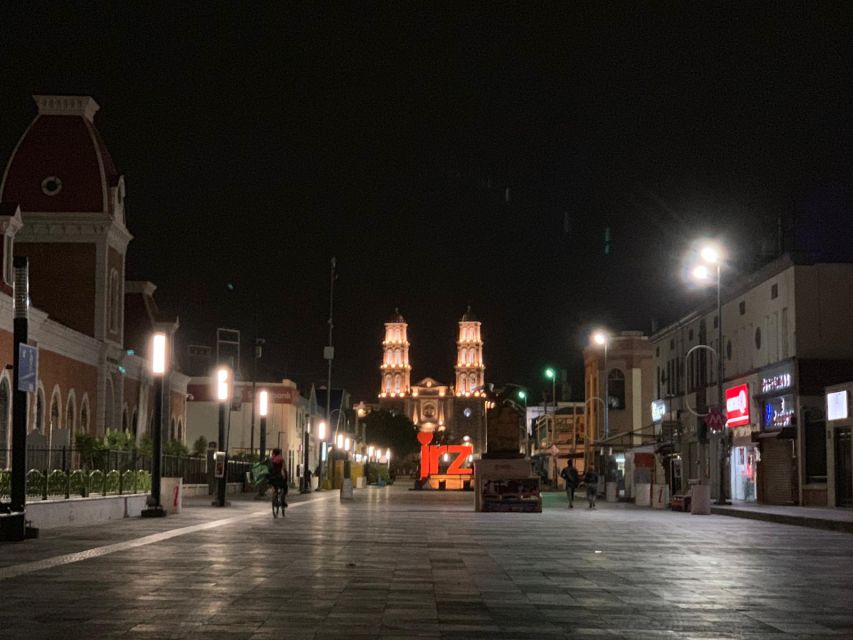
x=223, y=396
x=712, y=254
x=263, y=410
x=602, y=339
x=159, y=365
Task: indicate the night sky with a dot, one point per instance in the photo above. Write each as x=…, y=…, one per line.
x=259, y=140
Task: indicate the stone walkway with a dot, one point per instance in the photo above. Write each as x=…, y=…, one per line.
x=400, y=564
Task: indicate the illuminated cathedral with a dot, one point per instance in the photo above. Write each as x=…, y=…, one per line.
x=455, y=413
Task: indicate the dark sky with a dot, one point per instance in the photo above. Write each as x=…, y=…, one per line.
x=258, y=140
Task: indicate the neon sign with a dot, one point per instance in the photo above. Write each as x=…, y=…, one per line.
x=779, y=412
x=431, y=454
x=776, y=382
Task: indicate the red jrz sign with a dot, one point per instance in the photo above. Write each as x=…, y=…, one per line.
x=430, y=456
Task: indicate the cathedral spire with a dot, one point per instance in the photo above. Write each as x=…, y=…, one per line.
x=395, y=367
x=470, y=370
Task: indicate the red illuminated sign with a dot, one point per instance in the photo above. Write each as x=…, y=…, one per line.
x=430, y=456
x=737, y=405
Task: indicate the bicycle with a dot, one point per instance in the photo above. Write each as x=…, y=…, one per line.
x=278, y=502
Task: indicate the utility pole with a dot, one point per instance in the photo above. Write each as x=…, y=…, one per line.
x=329, y=355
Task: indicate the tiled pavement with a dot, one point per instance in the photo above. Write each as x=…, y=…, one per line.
x=400, y=564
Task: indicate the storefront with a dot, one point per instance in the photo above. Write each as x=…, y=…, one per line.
x=776, y=404
x=743, y=464
x=839, y=452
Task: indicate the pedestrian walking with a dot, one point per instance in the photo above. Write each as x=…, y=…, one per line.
x=572, y=480
x=590, y=477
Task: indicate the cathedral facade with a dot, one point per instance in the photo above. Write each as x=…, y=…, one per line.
x=455, y=413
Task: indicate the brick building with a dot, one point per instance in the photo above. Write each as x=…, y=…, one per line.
x=62, y=204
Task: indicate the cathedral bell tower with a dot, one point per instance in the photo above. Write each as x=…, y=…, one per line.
x=395, y=367
x=470, y=370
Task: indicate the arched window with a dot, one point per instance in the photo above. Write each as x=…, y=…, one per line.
x=180, y=433
x=616, y=389
x=71, y=415
x=84, y=414
x=55, y=412
x=125, y=425
x=472, y=382
x=398, y=380
x=388, y=383
x=109, y=409
x=39, y=417
x=4, y=423
x=114, y=301
x=134, y=423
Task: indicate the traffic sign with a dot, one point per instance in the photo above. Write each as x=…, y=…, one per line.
x=715, y=420
x=28, y=368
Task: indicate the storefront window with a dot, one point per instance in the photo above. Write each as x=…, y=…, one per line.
x=815, y=441
x=743, y=467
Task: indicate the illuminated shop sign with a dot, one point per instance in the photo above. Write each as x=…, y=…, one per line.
x=456, y=454
x=737, y=405
x=836, y=405
x=776, y=382
x=778, y=412
x=658, y=410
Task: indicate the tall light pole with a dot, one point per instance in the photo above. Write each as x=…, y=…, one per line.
x=600, y=338
x=223, y=396
x=20, y=387
x=321, y=439
x=522, y=395
x=551, y=374
x=263, y=410
x=329, y=351
x=712, y=255
x=159, y=364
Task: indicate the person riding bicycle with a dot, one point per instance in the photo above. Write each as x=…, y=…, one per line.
x=278, y=474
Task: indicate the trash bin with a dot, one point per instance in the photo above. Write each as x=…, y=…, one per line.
x=172, y=494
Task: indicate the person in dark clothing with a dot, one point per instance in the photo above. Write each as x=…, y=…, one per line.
x=570, y=476
x=278, y=474
x=590, y=477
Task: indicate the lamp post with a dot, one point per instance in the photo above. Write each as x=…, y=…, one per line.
x=159, y=364
x=521, y=394
x=321, y=438
x=20, y=323
x=306, y=430
x=602, y=339
x=712, y=255
x=223, y=396
x=551, y=374
x=263, y=410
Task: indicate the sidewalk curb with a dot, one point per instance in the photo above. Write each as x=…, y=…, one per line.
x=841, y=526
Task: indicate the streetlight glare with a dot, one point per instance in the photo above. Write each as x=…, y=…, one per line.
x=550, y=373
x=222, y=384
x=263, y=403
x=701, y=272
x=522, y=395
x=599, y=337
x=158, y=354
x=710, y=254
x=321, y=430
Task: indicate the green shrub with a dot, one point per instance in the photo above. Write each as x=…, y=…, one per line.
x=200, y=446
x=377, y=472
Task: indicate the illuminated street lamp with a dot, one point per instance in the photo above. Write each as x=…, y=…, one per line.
x=321, y=437
x=551, y=374
x=600, y=338
x=223, y=396
x=159, y=365
x=712, y=257
x=263, y=410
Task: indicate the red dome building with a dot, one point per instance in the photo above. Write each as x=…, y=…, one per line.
x=62, y=205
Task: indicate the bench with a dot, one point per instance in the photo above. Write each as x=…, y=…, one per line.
x=680, y=502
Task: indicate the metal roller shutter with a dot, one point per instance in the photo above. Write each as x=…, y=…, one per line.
x=776, y=469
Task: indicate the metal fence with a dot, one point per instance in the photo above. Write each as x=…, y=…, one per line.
x=67, y=471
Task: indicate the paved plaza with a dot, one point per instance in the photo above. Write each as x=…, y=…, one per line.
x=400, y=564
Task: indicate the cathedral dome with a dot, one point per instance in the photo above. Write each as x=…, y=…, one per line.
x=397, y=317
x=61, y=163
x=469, y=316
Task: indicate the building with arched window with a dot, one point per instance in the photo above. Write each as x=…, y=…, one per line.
x=62, y=205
